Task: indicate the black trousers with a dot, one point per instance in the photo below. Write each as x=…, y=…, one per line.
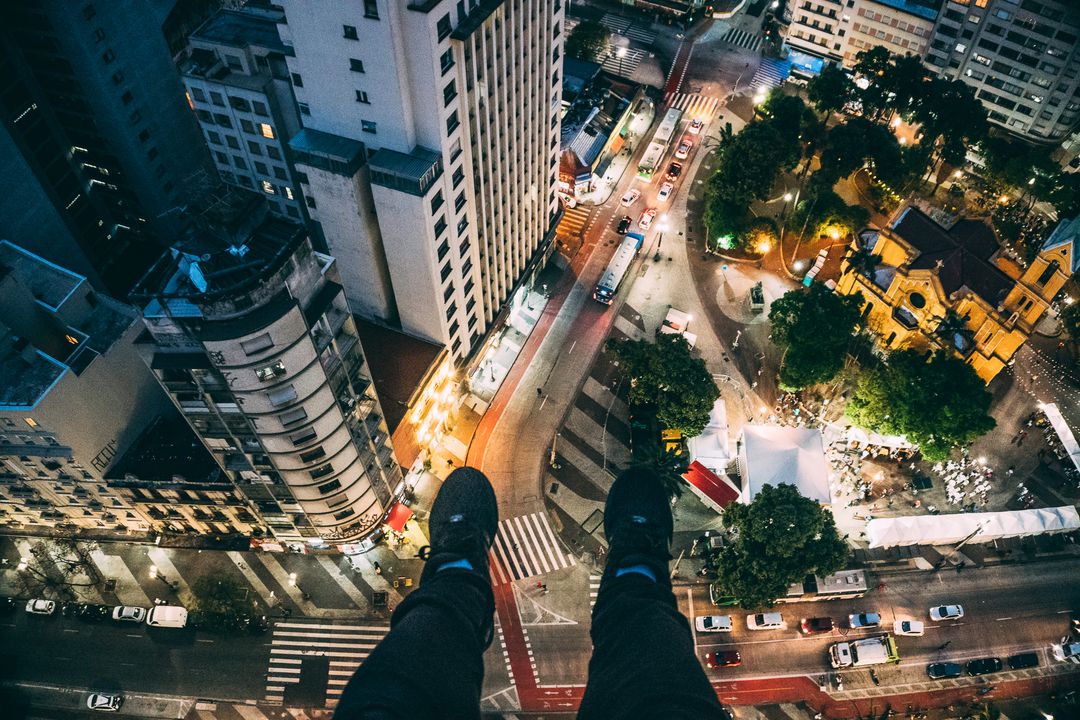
x=430, y=665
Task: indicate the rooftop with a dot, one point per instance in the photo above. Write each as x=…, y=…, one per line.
x=48, y=282
x=927, y=9
x=412, y=173
x=168, y=452
x=960, y=256
x=1066, y=234
x=240, y=29
x=399, y=364
x=28, y=373
x=774, y=455
x=333, y=153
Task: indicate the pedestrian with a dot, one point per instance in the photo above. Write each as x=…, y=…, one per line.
x=539, y=392
x=944, y=645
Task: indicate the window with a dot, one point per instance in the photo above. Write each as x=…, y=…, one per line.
x=445, y=272
x=273, y=152
x=145, y=135
x=371, y=9
x=217, y=99
x=267, y=187
x=233, y=62
x=440, y=226
x=260, y=168
x=254, y=148
x=443, y=249
x=305, y=435
x=232, y=142
x=213, y=137
x=198, y=94
x=368, y=126
x=135, y=117
x=455, y=149
x=297, y=80
x=285, y=188
x=117, y=77
x=437, y=202
x=310, y=202
x=450, y=311
x=282, y=396
x=452, y=122
x=1048, y=273
x=458, y=176
x=258, y=108
x=313, y=454
x=108, y=56
x=361, y=97
x=279, y=172
x=449, y=93
x=349, y=32
x=459, y=201
x=446, y=61
x=247, y=127
x=222, y=158
x=356, y=65
x=269, y=372
x=222, y=120
x=293, y=416
x=442, y=28
x=448, y=293
x=462, y=224
x=327, y=488
x=267, y=131
x=344, y=514
x=322, y=471
x=305, y=109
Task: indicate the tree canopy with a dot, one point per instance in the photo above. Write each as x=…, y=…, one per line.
x=668, y=381
x=814, y=327
x=776, y=540
x=820, y=209
x=936, y=401
x=1070, y=319
x=220, y=603
x=588, y=40
x=831, y=90
x=851, y=144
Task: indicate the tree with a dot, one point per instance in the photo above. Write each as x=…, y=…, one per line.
x=814, y=327
x=862, y=261
x=831, y=90
x=775, y=541
x=821, y=210
x=725, y=222
x=58, y=569
x=951, y=119
x=749, y=164
x=220, y=603
x=1070, y=319
x=588, y=40
x=874, y=66
x=937, y=401
x=667, y=381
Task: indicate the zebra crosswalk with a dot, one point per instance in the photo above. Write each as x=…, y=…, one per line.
x=695, y=106
x=574, y=221
x=770, y=73
x=526, y=546
x=624, y=26
x=346, y=646
x=742, y=38
x=594, y=589
x=625, y=64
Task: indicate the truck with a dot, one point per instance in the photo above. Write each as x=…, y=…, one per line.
x=865, y=652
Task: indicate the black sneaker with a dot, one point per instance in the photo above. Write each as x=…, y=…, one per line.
x=637, y=521
x=463, y=521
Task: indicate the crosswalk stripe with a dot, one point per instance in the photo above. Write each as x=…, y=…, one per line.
x=345, y=647
x=615, y=22
x=695, y=106
x=327, y=653
x=363, y=634
x=534, y=551
x=318, y=626
x=742, y=38
x=547, y=548
x=526, y=546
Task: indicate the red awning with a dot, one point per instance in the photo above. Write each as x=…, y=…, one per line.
x=399, y=515
x=710, y=485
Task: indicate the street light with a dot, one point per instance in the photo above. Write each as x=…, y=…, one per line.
x=293, y=583
x=23, y=564
x=788, y=197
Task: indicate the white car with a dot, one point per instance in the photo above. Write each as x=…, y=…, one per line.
x=946, y=612
x=684, y=148
x=766, y=621
x=646, y=218
x=908, y=627
x=41, y=607
x=713, y=623
x=129, y=613
x=695, y=126
x=630, y=197
x=104, y=702
x=665, y=192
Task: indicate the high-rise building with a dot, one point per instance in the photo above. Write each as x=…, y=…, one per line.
x=250, y=333
x=1022, y=58
x=838, y=30
x=238, y=85
x=430, y=152
x=74, y=395
x=92, y=102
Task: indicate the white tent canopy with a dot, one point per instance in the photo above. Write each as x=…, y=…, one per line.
x=772, y=455
x=1068, y=440
x=972, y=527
x=711, y=447
x=865, y=437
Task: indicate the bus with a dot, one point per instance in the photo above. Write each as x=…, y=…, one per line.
x=617, y=268
x=654, y=154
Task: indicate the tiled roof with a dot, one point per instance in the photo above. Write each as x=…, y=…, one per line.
x=1066, y=233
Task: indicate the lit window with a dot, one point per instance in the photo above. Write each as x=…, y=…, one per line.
x=268, y=188
x=266, y=130
x=288, y=191
x=31, y=422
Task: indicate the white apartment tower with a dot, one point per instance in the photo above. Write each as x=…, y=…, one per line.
x=429, y=154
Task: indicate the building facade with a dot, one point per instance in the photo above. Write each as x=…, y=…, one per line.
x=93, y=103
x=1022, y=58
x=429, y=154
x=74, y=395
x=249, y=332
x=948, y=286
x=838, y=30
x=237, y=83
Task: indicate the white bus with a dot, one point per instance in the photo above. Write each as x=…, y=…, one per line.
x=654, y=154
x=617, y=268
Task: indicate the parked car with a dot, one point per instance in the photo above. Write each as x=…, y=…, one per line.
x=646, y=218
x=94, y=613
x=674, y=171
x=982, y=666
x=1019, y=661
x=864, y=620
x=665, y=192
x=713, y=623
x=723, y=659
x=104, y=702
x=813, y=626
x=908, y=627
x=766, y=621
x=944, y=670
x=128, y=613
x=624, y=225
x=684, y=148
x=630, y=197
x=40, y=607
x=695, y=126
x=946, y=612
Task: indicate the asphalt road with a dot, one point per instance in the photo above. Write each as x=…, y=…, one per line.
x=113, y=657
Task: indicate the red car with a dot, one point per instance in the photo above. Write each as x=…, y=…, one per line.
x=723, y=659
x=813, y=626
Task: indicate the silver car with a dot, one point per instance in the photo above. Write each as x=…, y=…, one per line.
x=128, y=613
x=104, y=702
x=41, y=607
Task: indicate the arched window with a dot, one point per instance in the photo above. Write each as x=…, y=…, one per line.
x=1048, y=273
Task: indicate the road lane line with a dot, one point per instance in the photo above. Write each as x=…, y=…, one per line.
x=133, y=635
x=1003, y=618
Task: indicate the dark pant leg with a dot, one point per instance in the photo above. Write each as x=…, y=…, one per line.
x=643, y=663
x=430, y=665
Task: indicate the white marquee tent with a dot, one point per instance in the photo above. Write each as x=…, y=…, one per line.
x=970, y=527
x=1068, y=440
x=771, y=455
x=710, y=448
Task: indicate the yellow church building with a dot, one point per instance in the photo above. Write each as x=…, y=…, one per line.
x=948, y=286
